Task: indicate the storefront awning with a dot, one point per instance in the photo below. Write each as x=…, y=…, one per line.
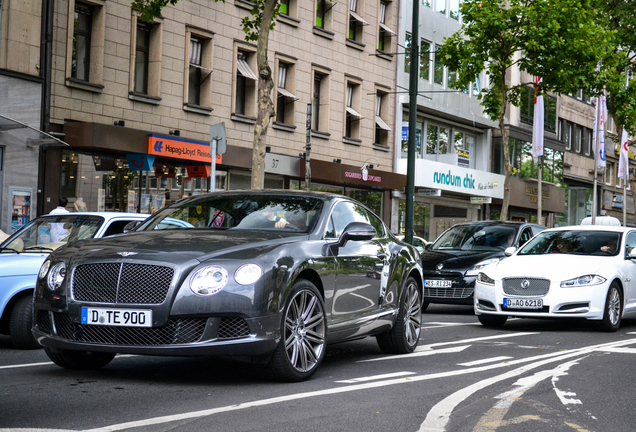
x=22, y=133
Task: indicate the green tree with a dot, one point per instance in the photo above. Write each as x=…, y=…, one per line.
x=557, y=40
x=257, y=27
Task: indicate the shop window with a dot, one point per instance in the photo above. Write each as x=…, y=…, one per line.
x=245, y=86
x=382, y=129
x=352, y=114
x=320, y=103
x=285, y=98
x=85, y=49
x=198, y=80
x=146, y=61
x=385, y=33
x=356, y=22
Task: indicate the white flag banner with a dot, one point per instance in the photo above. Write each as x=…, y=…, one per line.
x=623, y=162
x=600, y=149
x=537, y=125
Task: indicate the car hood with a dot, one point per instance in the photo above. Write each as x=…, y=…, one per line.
x=179, y=246
x=25, y=263
x=551, y=266
x=455, y=260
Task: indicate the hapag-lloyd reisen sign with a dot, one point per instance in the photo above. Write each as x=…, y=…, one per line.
x=436, y=175
x=180, y=148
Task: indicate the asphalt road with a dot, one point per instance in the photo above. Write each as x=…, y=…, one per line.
x=532, y=375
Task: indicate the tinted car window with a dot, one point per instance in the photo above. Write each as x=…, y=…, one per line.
x=630, y=242
x=343, y=214
x=377, y=224
x=572, y=242
x=526, y=235
x=476, y=237
x=116, y=227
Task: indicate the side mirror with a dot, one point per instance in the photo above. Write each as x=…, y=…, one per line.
x=132, y=226
x=509, y=251
x=632, y=254
x=356, y=231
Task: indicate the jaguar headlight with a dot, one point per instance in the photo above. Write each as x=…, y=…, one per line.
x=247, y=274
x=208, y=280
x=480, y=265
x=581, y=281
x=485, y=279
x=44, y=269
x=56, y=276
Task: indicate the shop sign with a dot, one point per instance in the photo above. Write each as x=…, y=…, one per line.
x=199, y=171
x=463, y=158
x=363, y=175
x=429, y=192
x=480, y=200
x=438, y=175
x=139, y=162
x=180, y=148
x=282, y=164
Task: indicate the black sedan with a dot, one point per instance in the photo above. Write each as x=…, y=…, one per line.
x=266, y=276
x=451, y=264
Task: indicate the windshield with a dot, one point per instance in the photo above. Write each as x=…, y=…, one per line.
x=602, y=243
x=239, y=212
x=48, y=233
x=476, y=238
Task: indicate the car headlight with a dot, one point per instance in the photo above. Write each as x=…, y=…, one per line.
x=480, y=265
x=56, y=276
x=586, y=280
x=247, y=274
x=485, y=279
x=208, y=280
x=44, y=269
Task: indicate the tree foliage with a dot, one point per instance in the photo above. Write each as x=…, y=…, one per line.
x=557, y=40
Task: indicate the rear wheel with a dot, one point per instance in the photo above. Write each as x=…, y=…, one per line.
x=492, y=321
x=82, y=360
x=405, y=334
x=20, y=324
x=303, y=329
x=613, y=309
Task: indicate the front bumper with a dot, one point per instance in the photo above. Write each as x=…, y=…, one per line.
x=460, y=291
x=182, y=336
x=586, y=302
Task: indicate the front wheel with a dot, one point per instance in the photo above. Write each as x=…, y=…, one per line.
x=80, y=360
x=303, y=330
x=405, y=334
x=613, y=309
x=20, y=324
x=492, y=321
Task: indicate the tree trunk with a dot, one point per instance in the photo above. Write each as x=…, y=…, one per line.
x=265, y=104
x=505, y=142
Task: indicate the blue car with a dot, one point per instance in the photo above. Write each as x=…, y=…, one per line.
x=22, y=255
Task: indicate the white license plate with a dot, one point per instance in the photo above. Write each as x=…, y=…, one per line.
x=521, y=303
x=438, y=283
x=117, y=317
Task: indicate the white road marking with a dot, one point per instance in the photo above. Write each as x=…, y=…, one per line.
x=438, y=417
x=483, y=361
x=375, y=377
x=25, y=365
x=619, y=350
x=418, y=354
x=433, y=325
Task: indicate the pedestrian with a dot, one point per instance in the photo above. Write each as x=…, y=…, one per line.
x=57, y=229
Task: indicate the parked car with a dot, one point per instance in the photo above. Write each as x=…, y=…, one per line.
x=22, y=255
x=451, y=264
x=418, y=242
x=571, y=272
x=269, y=276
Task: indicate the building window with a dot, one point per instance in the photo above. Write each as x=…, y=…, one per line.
x=246, y=81
x=549, y=109
x=284, y=7
x=82, y=41
x=323, y=14
x=476, y=86
x=436, y=140
x=426, y=3
x=521, y=160
x=352, y=115
x=438, y=72
x=454, y=9
x=85, y=50
x=146, y=61
x=425, y=60
x=199, y=76
x=381, y=113
x=577, y=138
x=407, y=53
x=320, y=103
x=609, y=173
x=440, y=6
x=356, y=22
x=384, y=32
x=586, y=138
x=285, y=98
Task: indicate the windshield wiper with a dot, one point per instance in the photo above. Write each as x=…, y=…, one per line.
x=39, y=248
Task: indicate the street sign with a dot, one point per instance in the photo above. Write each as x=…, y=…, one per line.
x=217, y=132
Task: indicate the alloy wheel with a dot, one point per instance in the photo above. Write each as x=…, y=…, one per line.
x=304, y=331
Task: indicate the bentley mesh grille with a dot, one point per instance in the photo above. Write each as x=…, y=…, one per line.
x=232, y=328
x=122, y=283
x=43, y=321
x=464, y=292
x=175, y=332
x=519, y=287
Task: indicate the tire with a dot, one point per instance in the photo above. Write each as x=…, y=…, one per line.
x=20, y=324
x=79, y=360
x=303, y=335
x=613, y=309
x=405, y=334
x=492, y=321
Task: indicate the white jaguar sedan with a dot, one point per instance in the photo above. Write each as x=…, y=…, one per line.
x=577, y=271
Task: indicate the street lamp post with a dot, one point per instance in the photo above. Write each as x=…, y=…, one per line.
x=410, y=167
